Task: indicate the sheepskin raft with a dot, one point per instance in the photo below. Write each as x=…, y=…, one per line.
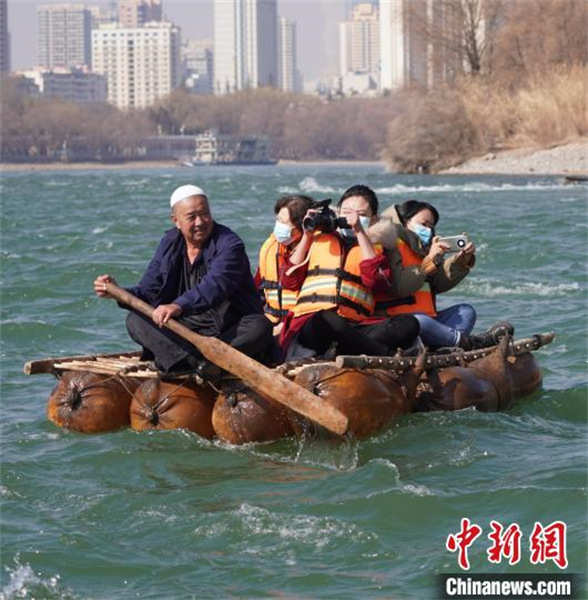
x=97, y=393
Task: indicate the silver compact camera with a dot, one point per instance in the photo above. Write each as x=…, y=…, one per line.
x=455, y=242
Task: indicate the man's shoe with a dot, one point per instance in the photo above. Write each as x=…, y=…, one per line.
x=210, y=372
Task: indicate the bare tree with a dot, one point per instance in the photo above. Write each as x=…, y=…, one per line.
x=458, y=34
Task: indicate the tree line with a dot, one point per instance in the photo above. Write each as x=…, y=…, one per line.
x=524, y=45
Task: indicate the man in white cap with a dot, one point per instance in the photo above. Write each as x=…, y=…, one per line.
x=201, y=275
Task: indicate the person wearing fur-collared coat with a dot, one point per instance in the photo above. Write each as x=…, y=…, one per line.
x=422, y=269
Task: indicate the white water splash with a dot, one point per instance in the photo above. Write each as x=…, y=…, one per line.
x=478, y=187
x=338, y=455
x=489, y=289
x=305, y=529
x=310, y=185
x=25, y=583
x=416, y=490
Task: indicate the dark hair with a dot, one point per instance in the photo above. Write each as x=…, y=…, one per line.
x=365, y=192
x=410, y=208
x=297, y=206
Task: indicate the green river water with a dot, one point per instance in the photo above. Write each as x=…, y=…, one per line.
x=168, y=515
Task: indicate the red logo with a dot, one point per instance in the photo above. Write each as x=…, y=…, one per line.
x=506, y=543
x=545, y=543
x=549, y=543
x=462, y=541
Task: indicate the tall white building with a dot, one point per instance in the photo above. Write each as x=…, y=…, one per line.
x=422, y=41
x=403, y=44
x=245, y=44
x=141, y=65
x=64, y=35
x=359, y=41
x=288, y=76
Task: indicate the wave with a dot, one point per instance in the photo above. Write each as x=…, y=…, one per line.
x=308, y=530
x=489, y=289
x=310, y=184
x=468, y=187
x=288, y=190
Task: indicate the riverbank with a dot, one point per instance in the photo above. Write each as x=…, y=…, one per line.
x=568, y=159
x=85, y=166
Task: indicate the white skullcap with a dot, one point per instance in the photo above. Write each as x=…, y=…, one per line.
x=185, y=191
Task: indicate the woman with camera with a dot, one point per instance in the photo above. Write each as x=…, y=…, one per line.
x=274, y=253
x=421, y=270
x=335, y=270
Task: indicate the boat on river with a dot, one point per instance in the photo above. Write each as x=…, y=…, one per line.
x=99, y=393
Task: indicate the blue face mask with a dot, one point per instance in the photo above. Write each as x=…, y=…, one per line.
x=349, y=233
x=424, y=233
x=283, y=233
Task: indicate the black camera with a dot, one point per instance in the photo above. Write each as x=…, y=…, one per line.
x=325, y=220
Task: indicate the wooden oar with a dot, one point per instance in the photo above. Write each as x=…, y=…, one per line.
x=263, y=380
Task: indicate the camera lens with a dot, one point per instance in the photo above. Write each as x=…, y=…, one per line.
x=308, y=224
x=461, y=243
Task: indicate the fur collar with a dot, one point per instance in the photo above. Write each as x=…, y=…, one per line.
x=383, y=232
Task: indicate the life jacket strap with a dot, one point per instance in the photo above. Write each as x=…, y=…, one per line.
x=337, y=300
x=269, y=285
x=275, y=312
x=384, y=304
x=339, y=273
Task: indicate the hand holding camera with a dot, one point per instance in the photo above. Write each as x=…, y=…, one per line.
x=323, y=218
x=455, y=243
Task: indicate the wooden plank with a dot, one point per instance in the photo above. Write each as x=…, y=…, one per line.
x=45, y=365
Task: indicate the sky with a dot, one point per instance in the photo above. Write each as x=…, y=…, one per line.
x=317, y=29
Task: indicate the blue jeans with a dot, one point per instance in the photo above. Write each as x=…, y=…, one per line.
x=446, y=328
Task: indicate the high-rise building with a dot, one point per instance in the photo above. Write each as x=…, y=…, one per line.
x=245, y=44
x=422, y=41
x=135, y=13
x=288, y=76
x=4, y=38
x=197, y=63
x=64, y=35
x=359, y=41
x=73, y=85
x=403, y=44
x=103, y=13
x=140, y=64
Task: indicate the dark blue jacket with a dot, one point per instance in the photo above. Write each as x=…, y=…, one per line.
x=228, y=275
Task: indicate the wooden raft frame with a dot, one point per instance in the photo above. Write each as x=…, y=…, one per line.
x=129, y=364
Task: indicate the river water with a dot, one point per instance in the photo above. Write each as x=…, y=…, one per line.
x=168, y=515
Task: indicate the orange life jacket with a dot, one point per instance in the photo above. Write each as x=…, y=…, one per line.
x=422, y=301
x=278, y=301
x=333, y=280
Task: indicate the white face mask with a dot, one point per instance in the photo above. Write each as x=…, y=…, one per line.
x=283, y=233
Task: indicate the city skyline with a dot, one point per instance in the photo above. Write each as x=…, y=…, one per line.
x=317, y=23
